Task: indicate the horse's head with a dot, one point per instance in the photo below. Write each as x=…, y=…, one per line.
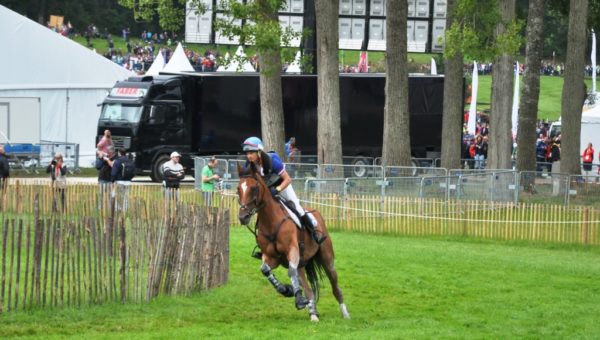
x=251, y=193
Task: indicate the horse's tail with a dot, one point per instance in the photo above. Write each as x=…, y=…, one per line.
x=315, y=270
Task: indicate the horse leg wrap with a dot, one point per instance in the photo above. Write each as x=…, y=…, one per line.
x=301, y=301
x=282, y=289
x=312, y=308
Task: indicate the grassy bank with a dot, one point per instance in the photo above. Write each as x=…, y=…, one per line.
x=394, y=288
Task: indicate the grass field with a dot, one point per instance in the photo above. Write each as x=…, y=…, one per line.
x=550, y=95
x=394, y=288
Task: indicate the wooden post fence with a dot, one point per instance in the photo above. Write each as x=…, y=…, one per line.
x=97, y=249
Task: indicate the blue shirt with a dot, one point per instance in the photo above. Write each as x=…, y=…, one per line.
x=288, y=148
x=277, y=165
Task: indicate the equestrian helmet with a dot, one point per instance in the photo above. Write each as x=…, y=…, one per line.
x=252, y=144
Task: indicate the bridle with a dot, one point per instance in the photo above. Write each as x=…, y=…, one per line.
x=254, y=202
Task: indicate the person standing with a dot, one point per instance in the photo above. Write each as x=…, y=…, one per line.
x=104, y=172
x=290, y=150
x=208, y=180
x=479, y=153
x=173, y=173
x=58, y=172
x=4, y=168
x=588, y=158
x=121, y=178
x=540, y=153
x=104, y=143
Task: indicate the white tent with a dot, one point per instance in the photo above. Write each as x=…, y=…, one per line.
x=50, y=84
x=234, y=65
x=157, y=65
x=295, y=65
x=591, y=115
x=179, y=62
x=222, y=68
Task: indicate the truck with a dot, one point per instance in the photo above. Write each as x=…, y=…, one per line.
x=200, y=114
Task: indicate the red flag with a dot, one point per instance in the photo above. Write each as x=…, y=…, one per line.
x=363, y=65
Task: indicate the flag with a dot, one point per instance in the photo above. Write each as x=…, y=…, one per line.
x=515, y=106
x=433, y=67
x=473, y=106
x=363, y=66
x=593, y=62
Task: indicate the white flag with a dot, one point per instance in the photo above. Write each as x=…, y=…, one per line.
x=515, y=107
x=593, y=62
x=473, y=106
x=433, y=67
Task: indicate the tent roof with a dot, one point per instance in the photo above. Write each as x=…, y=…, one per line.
x=178, y=62
x=234, y=65
x=294, y=67
x=34, y=57
x=591, y=115
x=157, y=65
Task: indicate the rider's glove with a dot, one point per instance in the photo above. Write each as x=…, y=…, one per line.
x=274, y=191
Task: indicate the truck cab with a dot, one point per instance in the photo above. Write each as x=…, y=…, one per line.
x=147, y=116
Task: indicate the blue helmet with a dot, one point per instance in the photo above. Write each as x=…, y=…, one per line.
x=252, y=144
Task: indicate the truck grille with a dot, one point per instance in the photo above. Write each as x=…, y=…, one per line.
x=121, y=142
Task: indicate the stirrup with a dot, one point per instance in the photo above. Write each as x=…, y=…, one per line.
x=256, y=253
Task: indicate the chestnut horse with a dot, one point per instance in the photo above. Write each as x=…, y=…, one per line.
x=283, y=243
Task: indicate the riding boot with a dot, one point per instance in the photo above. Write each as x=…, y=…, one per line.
x=316, y=235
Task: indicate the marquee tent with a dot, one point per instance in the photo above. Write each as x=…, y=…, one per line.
x=50, y=86
x=179, y=62
x=234, y=65
x=157, y=65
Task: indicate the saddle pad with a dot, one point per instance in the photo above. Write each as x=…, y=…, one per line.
x=293, y=216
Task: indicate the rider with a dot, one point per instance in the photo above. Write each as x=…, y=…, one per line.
x=279, y=181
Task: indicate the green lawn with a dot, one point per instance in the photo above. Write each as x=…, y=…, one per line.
x=394, y=288
x=550, y=95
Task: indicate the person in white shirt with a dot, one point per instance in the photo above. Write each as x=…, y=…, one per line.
x=173, y=173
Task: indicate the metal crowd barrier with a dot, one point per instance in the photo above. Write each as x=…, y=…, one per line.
x=462, y=184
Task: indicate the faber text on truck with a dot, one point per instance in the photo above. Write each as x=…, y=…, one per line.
x=211, y=113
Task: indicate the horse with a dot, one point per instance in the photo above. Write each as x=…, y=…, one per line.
x=283, y=243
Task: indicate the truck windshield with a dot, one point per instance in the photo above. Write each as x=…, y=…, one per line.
x=120, y=112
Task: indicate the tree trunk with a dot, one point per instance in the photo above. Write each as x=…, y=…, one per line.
x=329, y=134
x=396, y=126
x=271, y=106
x=500, y=134
x=528, y=105
x=271, y=101
x=573, y=93
x=453, y=104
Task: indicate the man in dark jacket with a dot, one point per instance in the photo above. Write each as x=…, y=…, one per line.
x=103, y=165
x=4, y=168
x=120, y=184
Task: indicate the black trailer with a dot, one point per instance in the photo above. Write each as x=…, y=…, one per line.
x=212, y=113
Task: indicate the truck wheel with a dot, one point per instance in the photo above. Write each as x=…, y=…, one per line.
x=359, y=168
x=157, y=173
